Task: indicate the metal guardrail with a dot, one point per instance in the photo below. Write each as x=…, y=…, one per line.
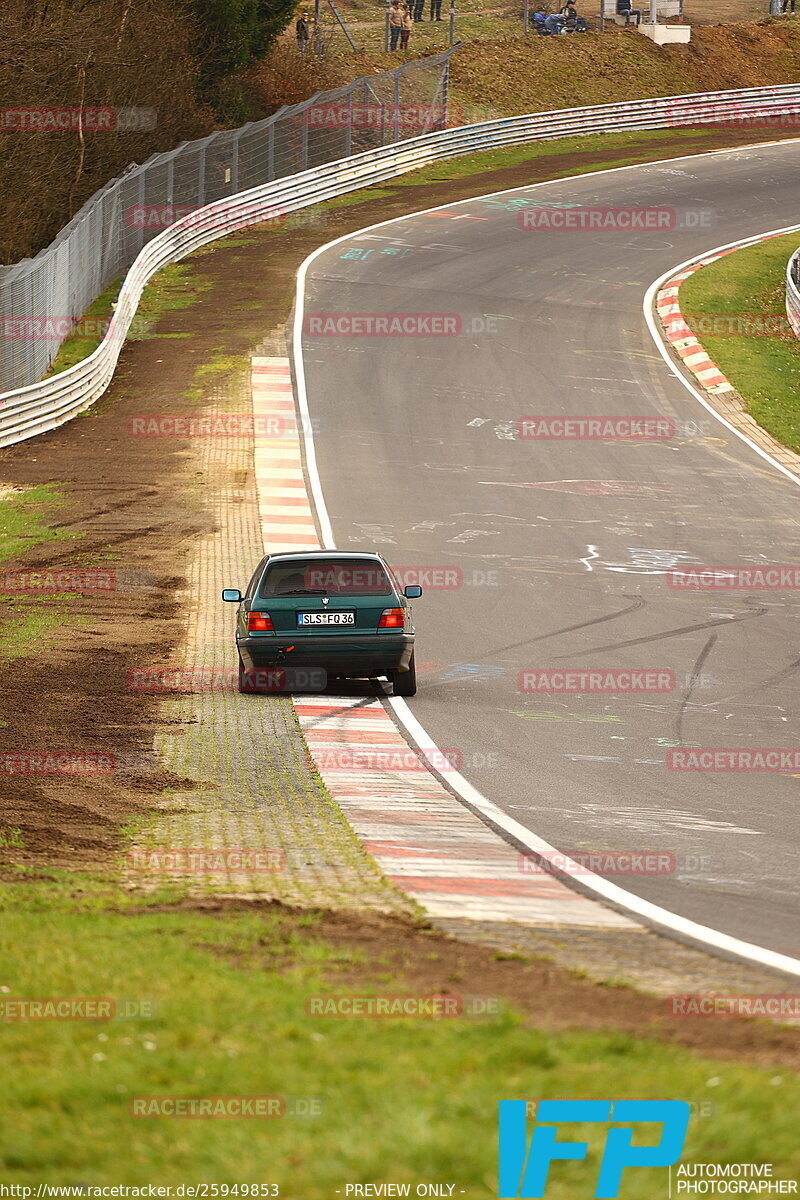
x=793, y=292
x=42, y=406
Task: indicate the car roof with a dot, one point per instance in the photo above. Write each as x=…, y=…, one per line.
x=326, y=554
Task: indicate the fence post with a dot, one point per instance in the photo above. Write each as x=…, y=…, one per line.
x=304, y=143
x=235, y=165
x=201, y=176
x=446, y=93
x=526, y=15
x=348, y=131
x=30, y=345
x=396, y=119
x=388, y=22
x=140, y=203
x=366, y=119
x=271, y=153
x=452, y=21
x=317, y=38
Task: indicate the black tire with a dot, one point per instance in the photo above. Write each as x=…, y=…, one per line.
x=246, y=681
x=404, y=683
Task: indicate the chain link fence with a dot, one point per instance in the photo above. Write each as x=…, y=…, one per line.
x=43, y=299
x=793, y=292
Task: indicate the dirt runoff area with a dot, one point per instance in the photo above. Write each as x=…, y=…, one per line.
x=136, y=507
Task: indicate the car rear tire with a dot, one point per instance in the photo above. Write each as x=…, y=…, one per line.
x=245, y=680
x=404, y=683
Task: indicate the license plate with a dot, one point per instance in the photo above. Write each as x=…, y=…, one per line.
x=326, y=618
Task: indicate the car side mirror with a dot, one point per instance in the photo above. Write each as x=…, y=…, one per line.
x=231, y=595
x=413, y=592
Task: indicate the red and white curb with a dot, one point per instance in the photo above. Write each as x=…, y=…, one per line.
x=680, y=335
x=286, y=518
x=683, y=341
x=423, y=838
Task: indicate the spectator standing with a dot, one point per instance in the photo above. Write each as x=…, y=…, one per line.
x=407, y=26
x=419, y=10
x=301, y=33
x=786, y=4
x=395, y=24
x=436, y=10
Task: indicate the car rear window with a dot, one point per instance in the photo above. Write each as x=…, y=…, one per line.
x=326, y=576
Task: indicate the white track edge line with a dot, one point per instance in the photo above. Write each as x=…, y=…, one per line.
x=665, y=349
x=652, y=913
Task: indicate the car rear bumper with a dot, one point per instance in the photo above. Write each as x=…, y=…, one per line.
x=369, y=654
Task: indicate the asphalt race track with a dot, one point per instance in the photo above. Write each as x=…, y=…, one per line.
x=560, y=548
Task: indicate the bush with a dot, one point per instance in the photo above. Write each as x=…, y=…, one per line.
x=231, y=35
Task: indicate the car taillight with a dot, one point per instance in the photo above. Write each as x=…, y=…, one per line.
x=259, y=622
x=392, y=618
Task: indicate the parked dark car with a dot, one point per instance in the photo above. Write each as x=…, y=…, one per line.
x=330, y=609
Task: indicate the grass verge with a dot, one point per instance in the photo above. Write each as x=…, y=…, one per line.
x=735, y=293
x=23, y=523
x=172, y=288
x=219, y=1003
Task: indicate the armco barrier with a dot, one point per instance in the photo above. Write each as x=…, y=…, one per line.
x=793, y=292
x=43, y=406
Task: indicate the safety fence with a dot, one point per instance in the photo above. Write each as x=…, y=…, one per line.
x=41, y=406
x=793, y=292
x=42, y=298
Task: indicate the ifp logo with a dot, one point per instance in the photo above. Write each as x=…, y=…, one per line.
x=524, y=1169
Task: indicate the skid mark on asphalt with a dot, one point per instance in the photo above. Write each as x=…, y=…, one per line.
x=694, y=680
x=668, y=633
x=590, y=487
x=425, y=840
